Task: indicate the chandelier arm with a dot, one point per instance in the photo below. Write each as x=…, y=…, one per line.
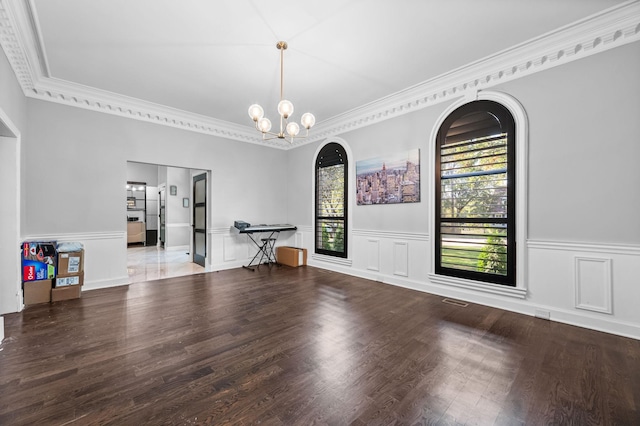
x=282, y=46
x=285, y=109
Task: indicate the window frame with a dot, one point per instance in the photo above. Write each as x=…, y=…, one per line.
x=326, y=149
x=522, y=141
x=507, y=122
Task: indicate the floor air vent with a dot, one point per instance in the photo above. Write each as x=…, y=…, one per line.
x=455, y=302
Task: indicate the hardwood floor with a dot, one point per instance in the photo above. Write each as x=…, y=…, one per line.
x=299, y=346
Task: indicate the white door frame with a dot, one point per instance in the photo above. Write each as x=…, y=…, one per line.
x=11, y=290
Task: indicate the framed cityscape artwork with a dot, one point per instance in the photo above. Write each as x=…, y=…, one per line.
x=391, y=179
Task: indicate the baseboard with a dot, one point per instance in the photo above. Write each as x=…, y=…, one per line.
x=579, y=319
x=234, y=264
x=112, y=282
x=177, y=248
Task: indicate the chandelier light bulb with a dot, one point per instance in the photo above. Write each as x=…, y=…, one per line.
x=264, y=125
x=285, y=108
x=293, y=129
x=307, y=120
x=256, y=112
x=287, y=131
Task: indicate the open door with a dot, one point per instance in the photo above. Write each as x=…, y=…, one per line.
x=161, y=216
x=200, y=218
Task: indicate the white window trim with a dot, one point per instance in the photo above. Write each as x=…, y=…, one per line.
x=351, y=175
x=522, y=143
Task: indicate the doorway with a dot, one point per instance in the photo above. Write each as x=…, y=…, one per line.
x=174, y=248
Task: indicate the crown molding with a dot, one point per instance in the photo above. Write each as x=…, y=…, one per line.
x=610, y=28
x=597, y=33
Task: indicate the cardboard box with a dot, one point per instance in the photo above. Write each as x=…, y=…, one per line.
x=39, y=260
x=68, y=280
x=291, y=256
x=70, y=263
x=37, y=292
x=66, y=293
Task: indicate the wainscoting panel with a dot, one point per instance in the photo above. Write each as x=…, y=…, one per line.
x=401, y=258
x=598, y=291
x=593, y=284
x=373, y=254
x=229, y=248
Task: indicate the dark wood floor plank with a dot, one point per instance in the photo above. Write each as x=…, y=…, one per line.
x=290, y=346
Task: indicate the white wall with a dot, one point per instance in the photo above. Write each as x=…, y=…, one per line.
x=178, y=222
x=142, y=172
x=583, y=229
x=85, y=154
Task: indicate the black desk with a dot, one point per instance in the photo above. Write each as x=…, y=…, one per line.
x=265, y=245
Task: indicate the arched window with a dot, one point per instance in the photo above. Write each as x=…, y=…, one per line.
x=331, y=201
x=475, y=199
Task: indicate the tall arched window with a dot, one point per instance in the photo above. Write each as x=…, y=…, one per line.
x=331, y=201
x=475, y=199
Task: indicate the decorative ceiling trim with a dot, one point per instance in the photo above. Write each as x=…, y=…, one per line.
x=600, y=32
x=13, y=47
x=613, y=27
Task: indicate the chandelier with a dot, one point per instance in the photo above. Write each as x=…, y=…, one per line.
x=285, y=109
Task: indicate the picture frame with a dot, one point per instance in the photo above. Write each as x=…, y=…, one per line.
x=173, y=190
x=389, y=179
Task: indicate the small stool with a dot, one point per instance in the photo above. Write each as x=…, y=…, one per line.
x=268, y=244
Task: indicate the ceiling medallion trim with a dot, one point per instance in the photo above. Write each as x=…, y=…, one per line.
x=602, y=31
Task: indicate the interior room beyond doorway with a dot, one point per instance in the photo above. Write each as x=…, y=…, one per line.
x=160, y=207
x=154, y=263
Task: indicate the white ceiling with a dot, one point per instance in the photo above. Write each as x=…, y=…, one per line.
x=215, y=58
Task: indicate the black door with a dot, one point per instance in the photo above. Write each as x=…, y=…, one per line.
x=200, y=218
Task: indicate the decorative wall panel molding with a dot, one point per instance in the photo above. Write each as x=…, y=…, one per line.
x=401, y=258
x=219, y=231
x=373, y=254
x=600, y=32
x=391, y=234
x=593, y=284
x=305, y=229
x=178, y=225
x=228, y=248
x=77, y=237
x=623, y=249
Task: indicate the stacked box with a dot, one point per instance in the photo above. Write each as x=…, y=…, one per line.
x=65, y=293
x=37, y=292
x=291, y=256
x=70, y=264
x=39, y=262
x=39, y=259
x=68, y=283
